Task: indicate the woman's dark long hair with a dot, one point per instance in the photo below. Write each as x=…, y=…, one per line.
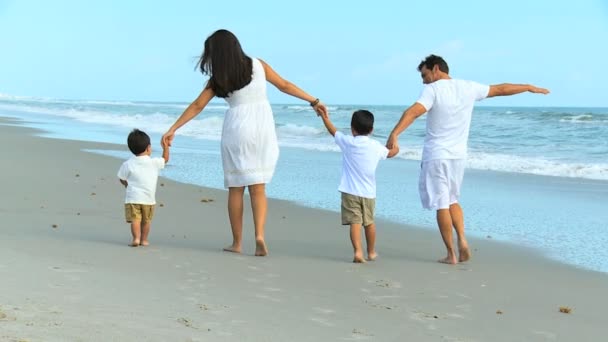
x=228, y=67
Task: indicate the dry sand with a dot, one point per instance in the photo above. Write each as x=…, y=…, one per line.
x=66, y=273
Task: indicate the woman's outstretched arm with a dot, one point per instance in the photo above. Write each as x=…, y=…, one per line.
x=291, y=89
x=190, y=113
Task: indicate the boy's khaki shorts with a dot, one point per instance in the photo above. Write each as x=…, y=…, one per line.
x=139, y=212
x=357, y=210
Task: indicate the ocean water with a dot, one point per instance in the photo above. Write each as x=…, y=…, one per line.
x=536, y=177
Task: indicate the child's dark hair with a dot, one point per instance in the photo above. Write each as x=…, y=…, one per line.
x=138, y=141
x=362, y=122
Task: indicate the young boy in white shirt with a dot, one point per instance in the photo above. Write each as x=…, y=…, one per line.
x=360, y=157
x=139, y=175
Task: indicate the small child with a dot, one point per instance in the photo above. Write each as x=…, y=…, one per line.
x=360, y=157
x=140, y=175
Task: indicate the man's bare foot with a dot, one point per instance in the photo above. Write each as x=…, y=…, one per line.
x=233, y=249
x=372, y=256
x=448, y=260
x=358, y=259
x=464, y=254
x=260, y=248
x=134, y=243
x=144, y=243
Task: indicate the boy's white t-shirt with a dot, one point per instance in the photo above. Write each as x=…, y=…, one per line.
x=360, y=157
x=449, y=104
x=141, y=174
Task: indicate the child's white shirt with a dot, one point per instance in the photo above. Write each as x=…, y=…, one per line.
x=360, y=157
x=141, y=174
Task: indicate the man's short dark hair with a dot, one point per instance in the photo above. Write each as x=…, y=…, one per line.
x=431, y=60
x=362, y=122
x=138, y=141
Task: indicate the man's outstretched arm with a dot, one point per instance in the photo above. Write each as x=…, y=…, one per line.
x=507, y=89
x=410, y=114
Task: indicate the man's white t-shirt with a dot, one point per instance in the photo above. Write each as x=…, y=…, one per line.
x=360, y=157
x=141, y=174
x=449, y=104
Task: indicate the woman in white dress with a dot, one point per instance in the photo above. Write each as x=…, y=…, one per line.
x=249, y=142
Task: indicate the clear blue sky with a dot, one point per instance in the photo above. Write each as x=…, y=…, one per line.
x=345, y=52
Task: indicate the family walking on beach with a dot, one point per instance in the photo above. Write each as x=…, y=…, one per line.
x=249, y=147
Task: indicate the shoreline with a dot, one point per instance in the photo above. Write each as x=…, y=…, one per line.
x=487, y=175
x=80, y=278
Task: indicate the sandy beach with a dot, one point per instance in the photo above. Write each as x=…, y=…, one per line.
x=67, y=274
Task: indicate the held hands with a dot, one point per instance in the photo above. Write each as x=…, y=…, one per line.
x=319, y=108
x=392, y=142
x=167, y=138
x=323, y=114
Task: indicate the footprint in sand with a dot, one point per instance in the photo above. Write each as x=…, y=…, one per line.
x=184, y=287
x=358, y=335
x=266, y=297
x=186, y=322
x=376, y=305
x=464, y=296
x=464, y=307
x=454, y=315
x=545, y=334
x=324, y=311
x=192, y=299
x=377, y=298
x=6, y=317
x=322, y=321
x=389, y=284
x=65, y=270
x=213, y=309
x=454, y=339
x=423, y=316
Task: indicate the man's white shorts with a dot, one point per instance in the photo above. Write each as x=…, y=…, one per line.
x=440, y=181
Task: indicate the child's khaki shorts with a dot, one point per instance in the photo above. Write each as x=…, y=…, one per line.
x=357, y=209
x=139, y=212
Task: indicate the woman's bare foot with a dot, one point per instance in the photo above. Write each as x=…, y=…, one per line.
x=358, y=259
x=448, y=260
x=144, y=243
x=233, y=249
x=134, y=243
x=260, y=248
x=464, y=254
x=372, y=256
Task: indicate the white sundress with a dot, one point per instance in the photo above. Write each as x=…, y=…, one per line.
x=249, y=142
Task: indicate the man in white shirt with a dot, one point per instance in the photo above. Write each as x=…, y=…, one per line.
x=449, y=104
